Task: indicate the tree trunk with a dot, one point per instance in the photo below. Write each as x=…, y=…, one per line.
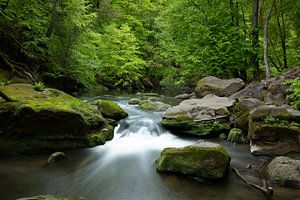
x=266, y=29
x=255, y=31
x=281, y=27
x=53, y=19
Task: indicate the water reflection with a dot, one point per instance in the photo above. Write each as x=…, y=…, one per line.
x=124, y=169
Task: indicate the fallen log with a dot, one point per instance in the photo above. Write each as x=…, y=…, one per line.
x=267, y=190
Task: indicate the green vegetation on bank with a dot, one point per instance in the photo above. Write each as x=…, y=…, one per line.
x=142, y=44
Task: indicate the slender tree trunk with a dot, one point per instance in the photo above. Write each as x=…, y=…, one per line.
x=255, y=31
x=266, y=30
x=281, y=27
x=53, y=19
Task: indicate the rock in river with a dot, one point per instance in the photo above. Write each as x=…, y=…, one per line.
x=219, y=87
x=285, y=171
x=274, y=130
x=202, y=160
x=199, y=116
x=134, y=101
x=110, y=109
x=153, y=105
x=32, y=121
x=55, y=157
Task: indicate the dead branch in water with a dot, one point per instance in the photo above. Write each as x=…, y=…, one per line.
x=265, y=189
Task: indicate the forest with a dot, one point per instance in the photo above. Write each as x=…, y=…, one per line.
x=138, y=44
x=149, y=99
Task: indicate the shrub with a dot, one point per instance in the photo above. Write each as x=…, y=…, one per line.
x=39, y=86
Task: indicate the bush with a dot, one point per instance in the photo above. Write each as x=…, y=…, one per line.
x=294, y=97
x=39, y=86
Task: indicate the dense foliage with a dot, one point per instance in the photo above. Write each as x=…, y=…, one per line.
x=123, y=43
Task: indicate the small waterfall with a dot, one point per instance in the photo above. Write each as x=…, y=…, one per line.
x=139, y=133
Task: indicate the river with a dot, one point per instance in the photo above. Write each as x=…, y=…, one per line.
x=124, y=169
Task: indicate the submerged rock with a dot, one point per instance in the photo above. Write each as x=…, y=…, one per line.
x=134, y=101
x=202, y=160
x=285, y=171
x=111, y=109
x=51, y=197
x=274, y=130
x=153, y=105
x=199, y=116
x=219, y=87
x=51, y=120
x=55, y=157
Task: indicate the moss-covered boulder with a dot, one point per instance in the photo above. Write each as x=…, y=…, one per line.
x=202, y=160
x=284, y=171
x=200, y=117
x=219, y=87
x=51, y=120
x=241, y=112
x=134, y=101
x=274, y=130
x=111, y=109
x=153, y=105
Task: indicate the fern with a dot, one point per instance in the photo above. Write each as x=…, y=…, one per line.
x=294, y=97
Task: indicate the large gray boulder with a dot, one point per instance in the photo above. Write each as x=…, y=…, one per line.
x=219, y=87
x=32, y=121
x=274, y=130
x=199, y=116
x=255, y=90
x=284, y=171
x=278, y=89
x=202, y=160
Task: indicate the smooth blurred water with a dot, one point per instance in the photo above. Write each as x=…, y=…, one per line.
x=124, y=169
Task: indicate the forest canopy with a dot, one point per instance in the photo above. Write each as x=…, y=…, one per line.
x=148, y=43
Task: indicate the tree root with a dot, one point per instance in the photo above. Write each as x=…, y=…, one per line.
x=265, y=189
x=18, y=68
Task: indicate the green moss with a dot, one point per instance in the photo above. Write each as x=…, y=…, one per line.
x=100, y=137
x=50, y=120
x=189, y=126
x=147, y=105
x=269, y=119
x=110, y=109
x=206, y=162
x=236, y=135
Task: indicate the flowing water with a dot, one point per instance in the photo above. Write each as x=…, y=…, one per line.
x=124, y=169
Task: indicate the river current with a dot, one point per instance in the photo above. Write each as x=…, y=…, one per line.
x=124, y=169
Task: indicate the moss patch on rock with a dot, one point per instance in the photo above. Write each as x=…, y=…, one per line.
x=32, y=121
x=153, y=105
x=274, y=130
x=189, y=126
x=236, y=135
x=110, y=109
x=204, y=160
